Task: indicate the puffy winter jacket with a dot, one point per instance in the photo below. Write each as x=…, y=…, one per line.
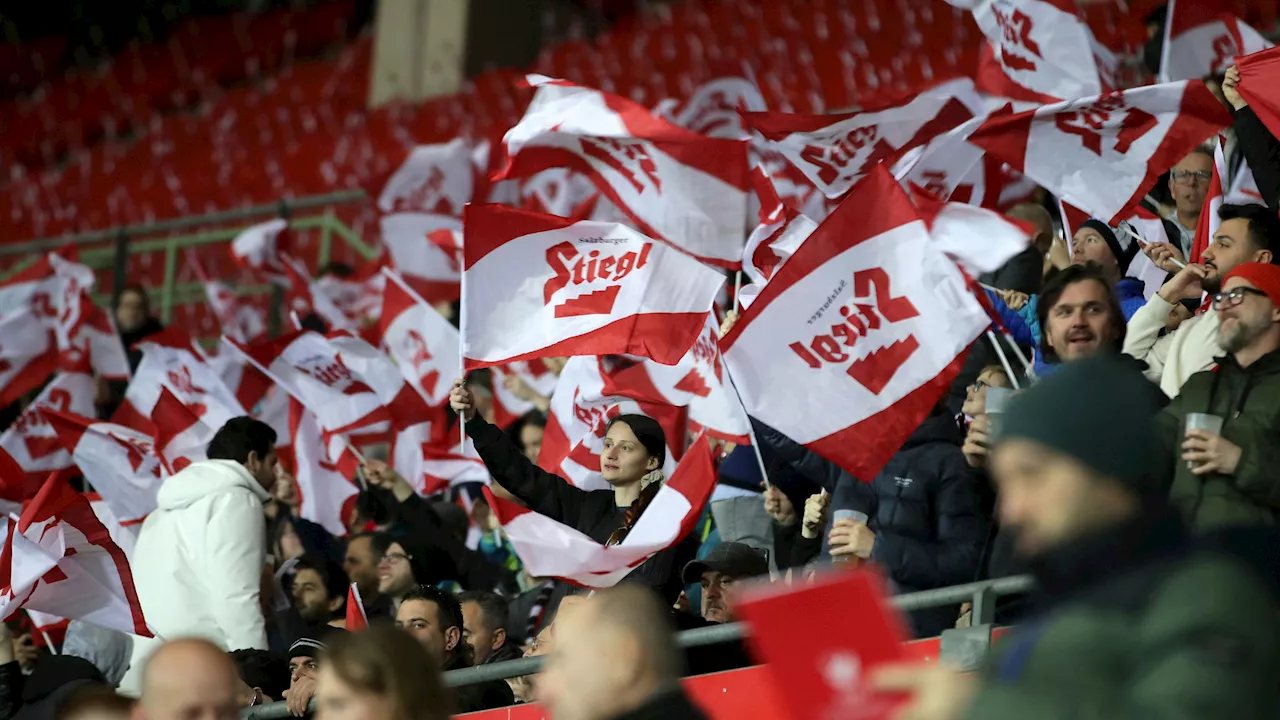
x=922, y=507
x=199, y=560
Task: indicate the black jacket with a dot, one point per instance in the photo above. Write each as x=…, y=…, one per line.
x=1262, y=151
x=479, y=696
x=922, y=506
x=1022, y=272
x=703, y=659
x=444, y=556
x=52, y=681
x=593, y=513
x=665, y=705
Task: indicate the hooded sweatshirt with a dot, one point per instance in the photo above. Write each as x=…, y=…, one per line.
x=199, y=559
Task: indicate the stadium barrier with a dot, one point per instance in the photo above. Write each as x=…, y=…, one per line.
x=748, y=692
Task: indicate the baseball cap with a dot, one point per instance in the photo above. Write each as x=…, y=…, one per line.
x=732, y=559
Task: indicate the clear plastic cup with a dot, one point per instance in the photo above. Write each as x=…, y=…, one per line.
x=848, y=561
x=997, y=399
x=1211, y=424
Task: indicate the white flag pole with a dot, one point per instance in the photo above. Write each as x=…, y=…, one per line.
x=1013, y=379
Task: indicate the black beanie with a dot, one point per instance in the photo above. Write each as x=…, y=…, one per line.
x=1099, y=411
x=1123, y=252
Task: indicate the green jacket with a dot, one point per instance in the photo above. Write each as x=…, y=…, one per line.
x=1137, y=628
x=1249, y=400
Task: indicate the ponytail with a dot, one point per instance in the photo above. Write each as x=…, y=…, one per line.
x=649, y=486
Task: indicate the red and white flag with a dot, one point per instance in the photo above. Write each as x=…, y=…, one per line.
x=780, y=232
x=31, y=441
x=715, y=108
x=1039, y=50
x=325, y=494
x=509, y=407
x=239, y=320
x=676, y=186
x=835, y=151
x=552, y=549
x=1103, y=153
x=28, y=354
x=120, y=463
x=977, y=239
x=170, y=361
x=60, y=559
x=430, y=465
x=557, y=191
x=698, y=381
x=306, y=297
x=257, y=249
x=1214, y=198
x=579, y=419
x=543, y=286
x=1203, y=38
x=357, y=620
x=42, y=286
x=182, y=434
x=948, y=167
x=86, y=332
x=424, y=345
x=1259, y=78
x=432, y=179
x=432, y=269
x=868, y=320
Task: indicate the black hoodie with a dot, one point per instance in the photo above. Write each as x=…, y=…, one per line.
x=53, y=680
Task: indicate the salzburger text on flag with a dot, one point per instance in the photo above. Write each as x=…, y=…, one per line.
x=543, y=286
x=1103, y=153
x=868, y=321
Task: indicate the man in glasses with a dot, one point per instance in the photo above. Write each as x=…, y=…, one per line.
x=1189, y=184
x=1229, y=477
x=1248, y=234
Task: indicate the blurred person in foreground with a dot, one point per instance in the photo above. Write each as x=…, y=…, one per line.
x=190, y=678
x=1131, y=620
x=721, y=575
x=96, y=703
x=1231, y=477
x=1248, y=233
x=615, y=658
x=200, y=555
x=484, y=620
x=380, y=674
x=543, y=643
x=264, y=672
x=434, y=618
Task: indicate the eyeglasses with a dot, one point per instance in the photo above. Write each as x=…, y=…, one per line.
x=1234, y=297
x=1186, y=176
x=977, y=385
x=393, y=558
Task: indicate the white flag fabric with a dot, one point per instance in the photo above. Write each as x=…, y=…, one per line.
x=1103, y=153
x=1204, y=37
x=169, y=361
x=854, y=340
x=257, y=249
x=543, y=286
x=433, y=271
x=423, y=344
x=676, y=186
x=714, y=108
x=835, y=151
x=31, y=441
x=948, y=167
x=86, y=332
x=305, y=296
x=182, y=434
x=325, y=494
x=120, y=463
x=551, y=549
x=432, y=179
x=62, y=561
x=977, y=239
x=28, y=353
x=1044, y=49
x=239, y=320
x=698, y=381
x=579, y=418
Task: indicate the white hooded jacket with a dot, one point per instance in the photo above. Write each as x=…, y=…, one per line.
x=198, y=561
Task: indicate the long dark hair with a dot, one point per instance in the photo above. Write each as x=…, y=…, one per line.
x=654, y=439
x=1058, y=284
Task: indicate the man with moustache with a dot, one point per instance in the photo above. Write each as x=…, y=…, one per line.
x=1248, y=233
x=1229, y=477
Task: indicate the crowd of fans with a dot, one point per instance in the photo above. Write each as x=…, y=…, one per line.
x=1146, y=527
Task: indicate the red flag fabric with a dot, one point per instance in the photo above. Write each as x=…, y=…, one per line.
x=1103, y=153
x=28, y=354
x=676, y=186
x=31, y=442
x=1260, y=86
x=551, y=549
x=356, y=618
x=507, y=406
x=827, y=671
x=305, y=296
x=325, y=492
x=1203, y=37
x=424, y=345
x=60, y=559
x=170, y=361
x=543, y=286
x=120, y=463
x=241, y=321
x=868, y=320
x=1214, y=198
x=182, y=435
x=434, y=271
x=835, y=151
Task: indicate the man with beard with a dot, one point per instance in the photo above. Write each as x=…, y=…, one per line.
x=1248, y=234
x=1229, y=477
x=1079, y=315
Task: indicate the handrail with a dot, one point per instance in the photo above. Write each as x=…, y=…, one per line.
x=712, y=635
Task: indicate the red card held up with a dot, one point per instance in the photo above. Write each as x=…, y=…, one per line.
x=821, y=642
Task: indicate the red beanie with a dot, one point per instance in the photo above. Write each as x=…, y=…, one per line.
x=1264, y=276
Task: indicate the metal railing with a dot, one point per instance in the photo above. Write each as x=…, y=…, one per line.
x=981, y=594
